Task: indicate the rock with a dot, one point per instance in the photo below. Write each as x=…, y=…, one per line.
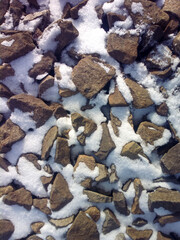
x=46, y=181
x=66, y=10
x=141, y=97
x=36, y=226
x=162, y=109
x=161, y=236
x=97, y=197
x=4, y=164
x=10, y=133
x=120, y=203
x=60, y=194
x=172, y=6
x=1, y=118
x=33, y=3
x=64, y=92
x=94, y=213
x=34, y=237
x=74, y=10
x=171, y=27
x=115, y=123
x=110, y=223
x=120, y=236
x=6, y=229
x=170, y=162
x=48, y=141
x=3, y=9
x=6, y=70
x=42, y=68
x=50, y=238
x=126, y=185
x=78, y=229
x=113, y=174
x=163, y=220
x=113, y=17
x=5, y=190
x=89, y=82
x=103, y=173
x=59, y=223
x=166, y=198
x=150, y=132
x=46, y=83
x=48, y=169
x=28, y=103
x=162, y=74
x=122, y=48
x=132, y=150
x=4, y=91
x=139, y=222
x=16, y=10
x=87, y=183
x=116, y=99
x=33, y=159
x=88, y=160
x=135, y=209
x=62, y=155
x=139, y=234
x=42, y=205
x=106, y=144
x=20, y=197
x=176, y=44
x=15, y=46
x=173, y=131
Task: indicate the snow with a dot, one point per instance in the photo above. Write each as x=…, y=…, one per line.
x=137, y=8
x=7, y=43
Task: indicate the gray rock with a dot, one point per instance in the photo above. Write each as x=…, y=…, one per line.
x=97, y=197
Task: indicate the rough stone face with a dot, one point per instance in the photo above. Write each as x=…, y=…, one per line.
x=5, y=190
x=138, y=234
x=4, y=164
x=6, y=229
x=113, y=17
x=135, y=209
x=172, y=6
x=122, y=48
x=28, y=103
x=120, y=236
x=103, y=173
x=163, y=220
x=62, y=155
x=170, y=162
x=6, y=70
x=132, y=150
x=90, y=75
x=10, y=133
x=22, y=43
x=4, y=91
x=78, y=229
x=120, y=203
x=16, y=9
x=46, y=181
x=60, y=194
x=115, y=123
x=88, y=160
x=106, y=144
x=150, y=132
x=45, y=85
x=94, y=213
x=141, y=98
x=176, y=43
x=113, y=174
x=74, y=10
x=41, y=204
x=110, y=223
x=162, y=109
x=4, y=5
x=116, y=99
x=58, y=223
x=36, y=226
x=21, y=197
x=66, y=10
x=139, y=222
x=48, y=141
x=97, y=197
x=59, y=111
x=166, y=198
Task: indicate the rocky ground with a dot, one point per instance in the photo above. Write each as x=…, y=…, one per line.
x=89, y=119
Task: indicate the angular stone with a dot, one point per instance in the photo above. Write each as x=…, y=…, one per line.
x=162, y=74
x=115, y=123
x=122, y=48
x=10, y=133
x=36, y=226
x=103, y=173
x=74, y=10
x=65, y=92
x=88, y=160
x=139, y=234
x=50, y=238
x=6, y=229
x=166, y=198
x=135, y=209
x=150, y=132
x=78, y=229
x=106, y=144
x=63, y=222
x=120, y=203
x=163, y=220
x=87, y=183
x=66, y=10
x=60, y=194
x=46, y=83
x=170, y=162
x=116, y=99
x=33, y=159
x=113, y=174
x=20, y=197
x=4, y=91
x=97, y=197
x=5, y=190
x=6, y=70
x=110, y=223
x=132, y=150
x=161, y=236
x=176, y=44
x=113, y=17
x=126, y=185
x=172, y=6
x=34, y=237
x=28, y=103
x=59, y=111
x=139, y=222
x=171, y=27
x=4, y=5
x=141, y=97
x=62, y=155
x=94, y=213
x=162, y=109
x=90, y=75
x=48, y=141
x=20, y=44
x=16, y=9
x=4, y=164
x=46, y=181
x=41, y=204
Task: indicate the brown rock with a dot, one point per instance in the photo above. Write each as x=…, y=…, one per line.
x=33, y=3
x=94, y=213
x=115, y=123
x=36, y=226
x=90, y=75
x=172, y=6
x=126, y=185
x=5, y=190
x=161, y=236
x=78, y=229
x=45, y=85
x=122, y=48
x=163, y=220
x=74, y=10
x=87, y=183
x=48, y=141
x=132, y=150
x=141, y=98
x=28, y=103
x=166, y=198
x=106, y=144
x=113, y=174
x=3, y=9
x=176, y=44
x=4, y=164
x=6, y=70
x=116, y=99
x=46, y=181
x=113, y=17
x=59, y=223
x=4, y=91
x=97, y=197
x=10, y=133
x=62, y=155
x=150, y=132
x=103, y=173
x=16, y=9
x=48, y=169
x=88, y=160
x=20, y=197
x=135, y=209
x=139, y=222
x=6, y=229
x=1, y=118
x=60, y=194
x=22, y=43
x=59, y=111
x=66, y=10
x=139, y=234
x=64, y=92
x=41, y=204
x=164, y=74
x=120, y=236
x=171, y=27
x=110, y=223
x=34, y=237
x=120, y=203
x=50, y=238
x=33, y=159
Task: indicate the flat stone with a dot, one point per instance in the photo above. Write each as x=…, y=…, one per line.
x=22, y=43
x=176, y=44
x=139, y=222
x=170, y=162
x=46, y=83
x=94, y=213
x=41, y=204
x=116, y=99
x=65, y=92
x=62, y=155
x=110, y=223
x=141, y=97
x=106, y=144
x=132, y=150
x=4, y=164
x=63, y=222
x=3, y=9
x=150, y=132
x=10, y=133
x=5, y=91
x=28, y=103
x=162, y=74
x=33, y=159
x=135, y=209
x=115, y=123
x=20, y=197
x=88, y=160
x=166, y=198
x=97, y=197
x=60, y=194
x=113, y=17
x=122, y=48
x=161, y=236
x=139, y=234
x=172, y=6
x=5, y=190
x=120, y=203
x=48, y=141
x=103, y=173
x=6, y=229
x=113, y=174
x=163, y=220
x=36, y=226
x=6, y=70
x=74, y=10
x=90, y=75
x=78, y=229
